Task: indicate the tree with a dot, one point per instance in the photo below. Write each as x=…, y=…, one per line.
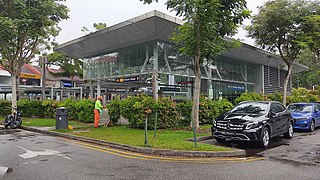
x=207, y=22
x=97, y=26
x=71, y=67
x=278, y=28
x=310, y=77
x=26, y=27
x=311, y=29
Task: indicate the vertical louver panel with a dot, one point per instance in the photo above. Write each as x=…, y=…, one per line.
x=272, y=80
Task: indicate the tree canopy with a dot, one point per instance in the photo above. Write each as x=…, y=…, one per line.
x=71, y=66
x=27, y=26
x=207, y=22
x=280, y=27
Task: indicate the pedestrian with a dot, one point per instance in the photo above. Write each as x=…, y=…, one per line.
x=97, y=111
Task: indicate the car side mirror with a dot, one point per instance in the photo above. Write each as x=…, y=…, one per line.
x=272, y=114
x=316, y=110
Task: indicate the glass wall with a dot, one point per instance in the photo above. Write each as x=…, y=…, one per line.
x=131, y=60
x=229, y=76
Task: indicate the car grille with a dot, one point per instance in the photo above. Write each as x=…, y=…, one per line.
x=226, y=125
x=301, y=119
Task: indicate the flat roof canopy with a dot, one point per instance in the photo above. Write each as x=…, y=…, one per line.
x=154, y=26
x=148, y=27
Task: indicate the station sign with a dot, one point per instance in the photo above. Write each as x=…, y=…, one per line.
x=235, y=87
x=127, y=79
x=30, y=76
x=185, y=82
x=169, y=89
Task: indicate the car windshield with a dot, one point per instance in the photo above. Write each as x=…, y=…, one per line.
x=251, y=108
x=300, y=108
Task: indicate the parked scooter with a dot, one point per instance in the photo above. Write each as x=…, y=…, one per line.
x=13, y=120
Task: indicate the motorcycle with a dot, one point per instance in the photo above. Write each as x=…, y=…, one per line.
x=13, y=120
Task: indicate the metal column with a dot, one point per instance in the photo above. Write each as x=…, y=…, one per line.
x=155, y=71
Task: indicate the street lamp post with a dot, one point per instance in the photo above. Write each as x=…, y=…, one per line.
x=43, y=79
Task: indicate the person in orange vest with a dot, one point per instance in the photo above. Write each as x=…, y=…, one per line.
x=98, y=111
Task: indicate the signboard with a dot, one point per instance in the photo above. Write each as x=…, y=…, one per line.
x=65, y=83
x=127, y=79
x=185, y=82
x=170, y=89
x=235, y=87
x=31, y=76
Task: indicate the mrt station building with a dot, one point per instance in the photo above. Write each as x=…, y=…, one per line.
x=123, y=59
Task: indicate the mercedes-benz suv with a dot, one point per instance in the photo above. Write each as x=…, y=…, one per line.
x=257, y=121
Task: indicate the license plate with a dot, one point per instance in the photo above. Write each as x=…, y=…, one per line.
x=227, y=133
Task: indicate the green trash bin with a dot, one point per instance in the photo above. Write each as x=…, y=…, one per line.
x=62, y=118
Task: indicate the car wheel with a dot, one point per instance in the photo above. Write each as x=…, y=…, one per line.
x=220, y=140
x=289, y=134
x=312, y=126
x=265, y=138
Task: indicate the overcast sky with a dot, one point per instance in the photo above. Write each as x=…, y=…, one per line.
x=111, y=12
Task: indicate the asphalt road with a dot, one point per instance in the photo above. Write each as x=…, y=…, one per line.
x=35, y=156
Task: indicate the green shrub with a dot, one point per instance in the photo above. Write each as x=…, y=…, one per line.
x=49, y=107
x=31, y=108
x=168, y=115
x=70, y=104
x=249, y=96
x=184, y=109
x=205, y=113
x=277, y=96
x=114, y=110
x=301, y=95
x=5, y=107
x=133, y=108
x=220, y=107
x=84, y=111
x=208, y=110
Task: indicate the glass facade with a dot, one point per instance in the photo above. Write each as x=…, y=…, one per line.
x=225, y=76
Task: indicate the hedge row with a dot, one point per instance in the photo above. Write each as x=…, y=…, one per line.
x=170, y=114
x=297, y=95
x=79, y=110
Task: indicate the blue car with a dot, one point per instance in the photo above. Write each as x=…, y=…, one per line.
x=306, y=115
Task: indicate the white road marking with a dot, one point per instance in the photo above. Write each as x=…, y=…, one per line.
x=3, y=170
x=44, y=152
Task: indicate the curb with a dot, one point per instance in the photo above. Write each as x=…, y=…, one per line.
x=151, y=151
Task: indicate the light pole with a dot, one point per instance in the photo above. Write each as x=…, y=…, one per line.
x=43, y=79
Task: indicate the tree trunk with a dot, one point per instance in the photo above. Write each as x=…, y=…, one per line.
x=18, y=87
x=14, y=90
x=196, y=94
x=285, y=84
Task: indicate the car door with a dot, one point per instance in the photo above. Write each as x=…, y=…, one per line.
x=317, y=114
x=279, y=119
x=284, y=117
x=274, y=119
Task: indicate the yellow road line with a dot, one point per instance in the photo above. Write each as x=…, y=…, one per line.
x=132, y=155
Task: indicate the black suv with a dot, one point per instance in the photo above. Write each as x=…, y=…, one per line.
x=254, y=121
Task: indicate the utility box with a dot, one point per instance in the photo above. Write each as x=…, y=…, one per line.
x=62, y=118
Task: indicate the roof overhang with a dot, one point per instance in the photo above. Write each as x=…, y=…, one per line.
x=151, y=26
x=254, y=55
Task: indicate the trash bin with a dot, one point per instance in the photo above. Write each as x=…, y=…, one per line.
x=62, y=118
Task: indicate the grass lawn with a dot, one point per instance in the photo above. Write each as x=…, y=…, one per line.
x=43, y=122
x=166, y=139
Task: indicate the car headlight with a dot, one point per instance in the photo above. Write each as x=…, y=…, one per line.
x=214, y=123
x=252, y=125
